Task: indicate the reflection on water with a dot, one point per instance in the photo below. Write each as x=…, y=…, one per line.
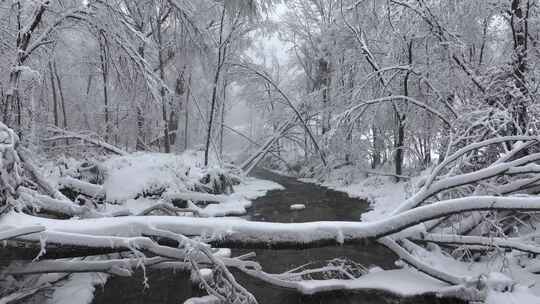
x=167, y=286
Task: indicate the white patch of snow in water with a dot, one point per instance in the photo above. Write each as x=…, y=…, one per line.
x=308, y=180
x=235, y=204
x=203, y=300
x=253, y=188
x=298, y=207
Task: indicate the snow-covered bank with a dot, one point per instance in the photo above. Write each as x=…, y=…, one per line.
x=253, y=188
x=506, y=274
x=382, y=192
x=236, y=203
x=249, y=189
x=135, y=183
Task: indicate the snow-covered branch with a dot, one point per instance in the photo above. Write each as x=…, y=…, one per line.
x=64, y=134
x=241, y=233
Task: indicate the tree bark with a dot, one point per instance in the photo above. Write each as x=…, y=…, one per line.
x=62, y=100
x=186, y=115
x=400, y=120
x=221, y=57
x=104, y=74
x=376, y=153
x=519, y=24
x=222, y=116
x=24, y=34
x=54, y=96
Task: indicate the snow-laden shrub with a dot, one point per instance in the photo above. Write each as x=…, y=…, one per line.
x=149, y=174
x=219, y=180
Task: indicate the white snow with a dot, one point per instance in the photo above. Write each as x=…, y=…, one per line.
x=203, y=300
x=205, y=273
x=401, y=282
x=133, y=174
x=253, y=188
x=130, y=175
x=297, y=207
x=79, y=288
x=520, y=295
x=235, y=204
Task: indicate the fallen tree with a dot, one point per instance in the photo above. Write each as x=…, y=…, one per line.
x=126, y=243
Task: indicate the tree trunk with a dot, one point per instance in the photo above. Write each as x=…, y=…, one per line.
x=173, y=124
x=62, y=100
x=222, y=124
x=398, y=144
x=324, y=86
x=220, y=59
x=519, y=23
x=54, y=97
x=163, y=93
x=104, y=74
x=186, y=115
x=140, y=143
x=400, y=121
x=376, y=153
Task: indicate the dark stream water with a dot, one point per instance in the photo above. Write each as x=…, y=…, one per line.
x=167, y=286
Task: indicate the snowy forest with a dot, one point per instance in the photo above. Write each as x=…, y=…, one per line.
x=269, y=151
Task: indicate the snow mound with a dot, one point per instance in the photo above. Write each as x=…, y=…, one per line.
x=205, y=273
x=145, y=173
x=499, y=282
x=136, y=181
x=78, y=288
x=234, y=204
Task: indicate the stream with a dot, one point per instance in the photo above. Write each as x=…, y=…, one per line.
x=168, y=286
